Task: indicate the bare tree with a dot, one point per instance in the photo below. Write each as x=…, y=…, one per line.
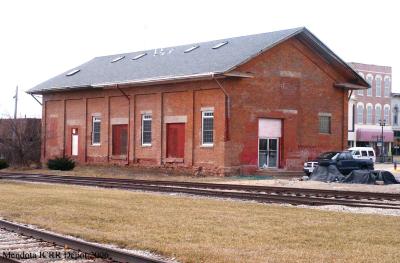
x=20, y=140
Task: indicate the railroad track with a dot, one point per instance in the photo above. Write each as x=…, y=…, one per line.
x=266, y=194
x=20, y=243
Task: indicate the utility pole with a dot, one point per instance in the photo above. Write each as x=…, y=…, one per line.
x=16, y=102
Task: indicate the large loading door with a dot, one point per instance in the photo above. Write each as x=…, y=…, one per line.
x=119, y=139
x=269, y=134
x=175, y=140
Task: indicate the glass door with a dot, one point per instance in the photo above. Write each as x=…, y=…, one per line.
x=268, y=152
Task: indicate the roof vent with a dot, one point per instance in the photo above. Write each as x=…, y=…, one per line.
x=117, y=59
x=220, y=45
x=72, y=72
x=139, y=56
x=191, y=49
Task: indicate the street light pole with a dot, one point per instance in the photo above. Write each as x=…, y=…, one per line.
x=382, y=123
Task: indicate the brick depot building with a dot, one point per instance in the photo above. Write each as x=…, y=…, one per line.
x=269, y=101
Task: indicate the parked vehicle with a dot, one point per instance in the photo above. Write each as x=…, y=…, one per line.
x=345, y=162
x=311, y=165
x=367, y=153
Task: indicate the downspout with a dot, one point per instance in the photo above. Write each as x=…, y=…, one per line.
x=227, y=106
x=129, y=123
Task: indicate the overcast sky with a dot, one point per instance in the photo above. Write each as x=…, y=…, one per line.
x=40, y=39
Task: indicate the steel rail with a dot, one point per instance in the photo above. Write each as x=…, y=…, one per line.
x=260, y=197
x=275, y=189
x=79, y=245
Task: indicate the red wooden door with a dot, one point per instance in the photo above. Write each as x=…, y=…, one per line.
x=119, y=139
x=175, y=140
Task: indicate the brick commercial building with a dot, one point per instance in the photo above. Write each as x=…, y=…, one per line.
x=370, y=106
x=271, y=100
x=396, y=123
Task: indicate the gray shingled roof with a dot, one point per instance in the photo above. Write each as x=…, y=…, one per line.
x=167, y=63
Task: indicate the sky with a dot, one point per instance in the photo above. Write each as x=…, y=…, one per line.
x=43, y=38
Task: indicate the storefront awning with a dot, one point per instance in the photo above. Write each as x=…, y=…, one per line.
x=374, y=135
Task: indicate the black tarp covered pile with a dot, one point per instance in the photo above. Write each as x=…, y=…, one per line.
x=332, y=174
x=369, y=177
x=327, y=174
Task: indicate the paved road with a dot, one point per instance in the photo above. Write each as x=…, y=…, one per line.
x=389, y=167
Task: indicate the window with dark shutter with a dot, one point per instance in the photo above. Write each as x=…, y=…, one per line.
x=146, y=129
x=208, y=128
x=96, y=126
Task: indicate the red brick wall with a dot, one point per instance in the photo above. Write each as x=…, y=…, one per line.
x=265, y=97
x=291, y=83
x=175, y=102
x=53, y=135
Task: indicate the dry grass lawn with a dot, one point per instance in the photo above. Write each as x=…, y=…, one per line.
x=203, y=230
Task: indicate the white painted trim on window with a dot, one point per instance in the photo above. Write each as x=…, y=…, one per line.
x=387, y=94
x=378, y=79
x=357, y=113
x=371, y=107
x=206, y=109
x=327, y=114
x=142, y=130
x=202, y=126
x=380, y=112
x=386, y=106
x=93, y=121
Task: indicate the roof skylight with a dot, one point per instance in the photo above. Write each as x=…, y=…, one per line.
x=220, y=45
x=117, y=59
x=139, y=56
x=72, y=72
x=191, y=49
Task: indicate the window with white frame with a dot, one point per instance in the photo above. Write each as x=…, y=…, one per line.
x=146, y=129
x=360, y=114
x=360, y=92
x=369, y=114
x=96, y=127
x=387, y=114
x=369, y=80
x=378, y=86
x=378, y=113
x=207, y=126
x=387, y=86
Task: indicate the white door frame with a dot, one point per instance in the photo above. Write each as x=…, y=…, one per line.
x=277, y=151
x=75, y=142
